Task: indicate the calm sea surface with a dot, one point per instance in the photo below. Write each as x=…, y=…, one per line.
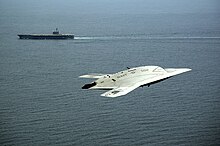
x=42, y=103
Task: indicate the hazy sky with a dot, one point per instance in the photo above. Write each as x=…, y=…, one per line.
x=148, y=6
x=115, y=6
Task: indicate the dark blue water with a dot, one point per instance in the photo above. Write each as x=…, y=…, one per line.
x=41, y=101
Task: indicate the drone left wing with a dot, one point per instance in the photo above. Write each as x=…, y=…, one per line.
x=93, y=75
x=119, y=91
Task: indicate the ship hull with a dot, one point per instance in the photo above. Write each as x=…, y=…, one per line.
x=45, y=36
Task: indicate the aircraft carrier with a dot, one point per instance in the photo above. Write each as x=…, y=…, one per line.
x=54, y=35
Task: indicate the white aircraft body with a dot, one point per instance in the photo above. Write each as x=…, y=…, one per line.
x=126, y=81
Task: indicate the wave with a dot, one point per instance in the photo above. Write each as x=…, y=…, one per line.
x=144, y=37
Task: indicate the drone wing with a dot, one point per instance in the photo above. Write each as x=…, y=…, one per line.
x=119, y=91
x=93, y=75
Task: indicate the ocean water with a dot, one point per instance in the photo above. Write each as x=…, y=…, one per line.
x=42, y=103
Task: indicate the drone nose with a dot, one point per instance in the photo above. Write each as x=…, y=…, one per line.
x=87, y=86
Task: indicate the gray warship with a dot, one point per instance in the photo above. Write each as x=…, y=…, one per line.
x=54, y=35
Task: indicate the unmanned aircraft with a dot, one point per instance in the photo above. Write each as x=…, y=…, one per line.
x=123, y=82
